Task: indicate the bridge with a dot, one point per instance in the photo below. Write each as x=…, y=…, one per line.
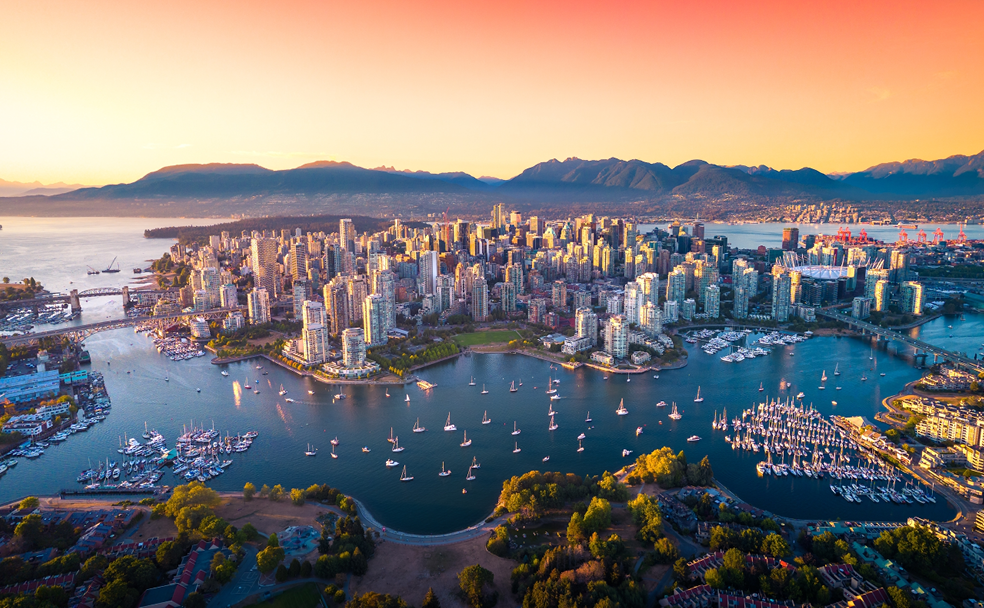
x=918, y=345
x=75, y=297
x=78, y=333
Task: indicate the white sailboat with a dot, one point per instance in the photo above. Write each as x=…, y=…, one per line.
x=387, y=393
x=311, y=451
x=675, y=414
x=417, y=428
x=469, y=476
x=396, y=445
x=698, y=398
x=517, y=449
x=390, y=438
x=471, y=383
x=580, y=448
x=283, y=391
x=333, y=454
x=761, y=387
x=588, y=417
x=553, y=425
x=475, y=464
x=408, y=398
x=485, y=418
x=550, y=389
x=448, y=426
x=515, y=431
x=512, y=387
x=484, y=390
x=404, y=476
x=444, y=472
x=621, y=411
x=466, y=441
x=823, y=376
x=836, y=370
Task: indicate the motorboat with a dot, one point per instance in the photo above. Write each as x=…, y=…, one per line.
x=581, y=436
x=626, y=453
x=365, y=449
x=638, y=431
x=392, y=463
x=693, y=439
x=546, y=459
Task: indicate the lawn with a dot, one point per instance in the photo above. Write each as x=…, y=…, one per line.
x=305, y=596
x=487, y=337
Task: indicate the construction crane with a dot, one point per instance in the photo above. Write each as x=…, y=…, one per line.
x=110, y=267
x=91, y=270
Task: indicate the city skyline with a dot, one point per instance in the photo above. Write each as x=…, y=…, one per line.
x=487, y=90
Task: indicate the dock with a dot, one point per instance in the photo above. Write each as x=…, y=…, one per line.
x=109, y=491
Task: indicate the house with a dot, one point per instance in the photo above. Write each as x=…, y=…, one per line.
x=192, y=572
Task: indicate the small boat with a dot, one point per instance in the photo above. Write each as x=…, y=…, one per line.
x=621, y=411
x=484, y=391
x=546, y=459
x=469, y=476
x=863, y=377
x=392, y=463
x=833, y=403
x=581, y=436
x=800, y=395
x=464, y=491
x=515, y=431
x=638, y=431
x=448, y=426
x=311, y=451
x=883, y=373
x=288, y=400
x=390, y=438
x=698, y=398
x=626, y=453
x=466, y=441
x=475, y=464
x=417, y=428
x=485, y=418
x=256, y=391
x=408, y=398
x=655, y=376
x=553, y=425
x=517, y=449
x=837, y=388
x=404, y=476
x=628, y=379
x=512, y=387
x=580, y=448
x=604, y=377
x=387, y=393
x=224, y=373
x=693, y=438
x=675, y=415
x=444, y=472
x=365, y=449
x=283, y=391
x=761, y=387
x=310, y=392
x=836, y=370
x=247, y=386
x=472, y=383
x=588, y=418
x=554, y=397
x=396, y=446
x=335, y=440
x=823, y=376
x=333, y=454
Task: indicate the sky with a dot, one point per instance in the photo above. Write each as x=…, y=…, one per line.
x=99, y=92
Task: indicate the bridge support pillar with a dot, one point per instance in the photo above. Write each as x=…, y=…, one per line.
x=73, y=299
x=126, y=296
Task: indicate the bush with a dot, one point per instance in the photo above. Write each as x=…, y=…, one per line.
x=305, y=569
x=297, y=497
x=282, y=574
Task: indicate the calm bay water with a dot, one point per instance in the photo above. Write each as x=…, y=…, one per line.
x=432, y=504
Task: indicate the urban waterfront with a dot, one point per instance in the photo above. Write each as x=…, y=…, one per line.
x=432, y=504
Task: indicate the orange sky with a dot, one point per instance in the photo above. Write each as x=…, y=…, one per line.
x=99, y=92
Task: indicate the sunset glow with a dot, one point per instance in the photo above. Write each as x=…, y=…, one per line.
x=99, y=92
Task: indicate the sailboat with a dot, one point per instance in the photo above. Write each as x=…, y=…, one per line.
x=475, y=464
x=396, y=445
x=761, y=387
x=469, y=476
x=466, y=442
x=553, y=425
x=628, y=379
x=515, y=431
x=675, y=414
x=335, y=440
x=863, y=377
x=550, y=411
x=340, y=395
x=408, y=398
x=404, y=476
x=698, y=398
x=588, y=417
x=550, y=389
x=444, y=472
x=283, y=391
x=333, y=454
x=245, y=386
x=836, y=371
x=580, y=448
x=485, y=418
x=311, y=451
x=512, y=387
x=472, y=383
x=448, y=426
x=484, y=390
x=517, y=449
x=390, y=439
x=621, y=411
x=823, y=376
x=387, y=392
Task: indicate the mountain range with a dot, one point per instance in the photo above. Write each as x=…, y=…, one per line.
x=35, y=188
x=248, y=188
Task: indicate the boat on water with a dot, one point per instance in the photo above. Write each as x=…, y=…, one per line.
x=581, y=436
x=693, y=439
x=417, y=428
x=365, y=449
x=638, y=431
x=626, y=453
x=837, y=369
x=475, y=464
x=310, y=392
x=283, y=391
x=387, y=393
x=823, y=376
x=512, y=387
x=761, y=387
x=588, y=417
x=448, y=426
x=550, y=389
x=661, y=404
x=333, y=454
x=466, y=441
x=472, y=383
x=580, y=448
x=698, y=398
x=515, y=430
x=469, y=476
x=863, y=377
x=517, y=449
x=408, y=398
x=833, y=403
x=396, y=446
x=553, y=425
x=390, y=463
x=340, y=395
x=224, y=373
x=404, y=476
x=800, y=395
x=628, y=379
x=621, y=411
x=546, y=459
x=311, y=451
x=245, y=386
x=484, y=390
x=390, y=438
x=335, y=440
x=485, y=418
x=554, y=397
x=444, y=472
x=675, y=415
x=288, y=400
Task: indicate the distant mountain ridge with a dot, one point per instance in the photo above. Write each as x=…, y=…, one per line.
x=35, y=188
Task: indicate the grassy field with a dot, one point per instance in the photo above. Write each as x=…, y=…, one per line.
x=487, y=337
x=305, y=596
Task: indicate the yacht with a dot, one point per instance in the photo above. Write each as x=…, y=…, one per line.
x=675, y=414
x=800, y=395
x=588, y=417
x=517, y=449
x=512, y=387
x=554, y=397
x=553, y=425
x=288, y=400
x=515, y=430
x=621, y=411
x=396, y=446
x=340, y=395
x=484, y=390
x=246, y=385
x=466, y=442
x=698, y=398
x=485, y=418
x=833, y=403
x=581, y=436
x=311, y=451
x=472, y=383
x=693, y=438
x=626, y=453
x=448, y=426
x=638, y=431
x=224, y=373
x=333, y=454
x=365, y=449
x=444, y=472
x=417, y=428
x=661, y=404
x=823, y=376
x=404, y=476
x=580, y=448
x=390, y=463
x=550, y=389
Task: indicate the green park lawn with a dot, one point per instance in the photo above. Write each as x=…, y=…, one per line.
x=487, y=337
x=305, y=596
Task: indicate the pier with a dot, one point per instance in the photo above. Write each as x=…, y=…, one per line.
x=921, y=348
x=112, y=491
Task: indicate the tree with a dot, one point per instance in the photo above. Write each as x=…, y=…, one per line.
x=776, y=546
x=713, y=578
x=249, y=490
x=297, y=497
x=681, y=571
x=276, y=493
x=51, y=595
x=30, y=529
x=268, y=559
x=117, y=594
x=250, y=532
x=195, y=600
x=610, y=548
x=598, y=516
x=430, y=600
x=264, y=491
x=168, y=555
x=191, y=495
x=282, y=574
x=29, y=504
x=575, y=529
x=472, y=581
x=665, y=552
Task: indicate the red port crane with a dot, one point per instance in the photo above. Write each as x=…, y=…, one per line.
x=938, y=236
x=921, y=237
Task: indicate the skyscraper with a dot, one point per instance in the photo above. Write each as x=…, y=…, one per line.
x=559, y=294
x=259, y=306
x=301, y=293
x=634, y=299
x=374, y=319
x=353, y=347
x=314, y=338
x=790, y=238
x=651, y=319
x=649, y=282
x=358, y=289
x=586, y=325
x=336, y=301
x=480, y=300
x=346, y=234
x=298, y=260
x=264, y=265
x=676, y=285
x=507, y=293
x=712, y=301
x=430, y=266
x=781, y=288
x=913, y=297
x=617, y=337
x=882, y=295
